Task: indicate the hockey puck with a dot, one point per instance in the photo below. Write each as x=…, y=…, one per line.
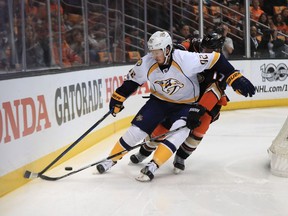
x=68, y=168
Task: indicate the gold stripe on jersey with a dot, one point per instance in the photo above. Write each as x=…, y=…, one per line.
x=152, y=68
x=177, y=66
x=155, y=66
x=188, y=101
x=215, y=59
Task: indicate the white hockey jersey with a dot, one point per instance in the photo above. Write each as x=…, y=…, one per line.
x=178, y=83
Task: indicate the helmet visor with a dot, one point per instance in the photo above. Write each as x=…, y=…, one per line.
x=157, y=53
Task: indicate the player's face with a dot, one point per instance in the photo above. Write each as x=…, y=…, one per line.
x=158, y=55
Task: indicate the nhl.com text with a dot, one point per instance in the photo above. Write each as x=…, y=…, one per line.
x=267, y=89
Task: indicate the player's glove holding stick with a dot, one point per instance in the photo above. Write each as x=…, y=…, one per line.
x=241, y=84
x=194, y=115
x=116, y=103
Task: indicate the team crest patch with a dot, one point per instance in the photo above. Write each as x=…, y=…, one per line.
x=139, y=118
x=139, y=62
x=170, y=86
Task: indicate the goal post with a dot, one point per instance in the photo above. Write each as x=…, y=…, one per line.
x=278, y=152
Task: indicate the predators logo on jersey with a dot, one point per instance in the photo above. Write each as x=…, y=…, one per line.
x=139, y=62
x=170, y=86
x=139, y=118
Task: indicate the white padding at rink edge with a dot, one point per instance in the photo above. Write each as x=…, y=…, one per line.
x=278, y=164
x=278, y=152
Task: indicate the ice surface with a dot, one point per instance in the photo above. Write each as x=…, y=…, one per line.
x=228, y=175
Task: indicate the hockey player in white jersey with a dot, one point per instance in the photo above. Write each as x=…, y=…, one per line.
x=212, y=97
x=174, y=87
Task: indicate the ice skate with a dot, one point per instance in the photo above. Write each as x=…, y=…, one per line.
x=179, y=164
x=137, y=158
x=146, y=174
x=105, y=166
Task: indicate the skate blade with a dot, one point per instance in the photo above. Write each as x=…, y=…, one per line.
x=177, y=171
x=143, y=178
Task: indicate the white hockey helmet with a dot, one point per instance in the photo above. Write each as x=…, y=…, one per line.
x=160, y=40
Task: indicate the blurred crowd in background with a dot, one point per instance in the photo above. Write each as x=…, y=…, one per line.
x=39, y=35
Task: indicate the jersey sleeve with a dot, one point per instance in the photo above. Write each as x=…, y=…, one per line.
x=223, y=66
x=127, y=88
x=214, y=60
x=136, y=77
x=138, y=73
x=198, y=62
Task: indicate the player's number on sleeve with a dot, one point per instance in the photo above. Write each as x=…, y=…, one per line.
x=203, y=59
x=132, y=73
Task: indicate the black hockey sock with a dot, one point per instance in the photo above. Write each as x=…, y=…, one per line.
x=146, y=150
x=184, y=151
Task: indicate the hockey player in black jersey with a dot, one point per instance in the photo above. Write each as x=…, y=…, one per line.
x=174, y=88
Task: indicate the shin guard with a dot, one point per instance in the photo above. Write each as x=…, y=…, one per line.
x=162, y=154
x=117, y=148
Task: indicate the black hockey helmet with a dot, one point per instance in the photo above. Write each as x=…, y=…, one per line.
x=212, y=41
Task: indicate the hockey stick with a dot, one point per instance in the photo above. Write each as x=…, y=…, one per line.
x=28, y=174
x=48, y=178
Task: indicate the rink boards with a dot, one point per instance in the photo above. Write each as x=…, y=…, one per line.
x=41, y=116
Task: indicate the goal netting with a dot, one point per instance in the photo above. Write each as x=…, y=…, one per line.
x=278, y=152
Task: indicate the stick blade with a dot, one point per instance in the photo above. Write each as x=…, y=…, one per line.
x=30, y=175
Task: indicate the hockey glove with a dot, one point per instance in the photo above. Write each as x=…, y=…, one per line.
x=241, y=84
x=194, y=115
x=116, y=103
